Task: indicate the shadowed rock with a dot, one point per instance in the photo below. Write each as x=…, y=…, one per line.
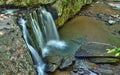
x=67, y=61
x=53, y=62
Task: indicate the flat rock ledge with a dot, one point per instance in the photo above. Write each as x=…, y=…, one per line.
x=96, y=52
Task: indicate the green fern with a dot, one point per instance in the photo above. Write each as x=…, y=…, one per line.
x=116, y=51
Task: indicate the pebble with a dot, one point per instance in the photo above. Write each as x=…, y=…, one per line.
x=111, y=22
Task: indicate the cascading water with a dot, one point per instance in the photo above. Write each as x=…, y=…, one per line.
x=50, y=33
x=39, y=65
x=50, y=30
x=41, y=37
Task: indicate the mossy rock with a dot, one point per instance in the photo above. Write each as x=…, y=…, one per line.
x=65, y=8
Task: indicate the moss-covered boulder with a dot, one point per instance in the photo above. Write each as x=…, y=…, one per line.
x=65, y=8
x=68, y=8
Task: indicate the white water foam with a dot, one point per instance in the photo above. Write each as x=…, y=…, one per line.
x=53, y=44
x=39, y=65
x=115, y=5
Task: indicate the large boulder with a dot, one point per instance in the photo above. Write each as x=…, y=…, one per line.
x=65, y=8
x=68, y=8
x=14, y=54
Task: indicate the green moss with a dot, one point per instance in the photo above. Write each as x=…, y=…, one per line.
x=116, y=51
x=70, y=9
x=66, y=8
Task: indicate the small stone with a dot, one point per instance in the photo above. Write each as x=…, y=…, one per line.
x=53, y=61
x=51, y=67
x=80, y=71
x=114, y=5
x=111, y=22
x=67, y=61
x=106, y=72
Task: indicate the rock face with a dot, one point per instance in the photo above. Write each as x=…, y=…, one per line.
x=97, y=53
x=14, y=56
x=94, y=49
x=68, y=8
x=65, y=8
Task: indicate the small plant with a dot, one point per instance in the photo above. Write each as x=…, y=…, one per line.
x=3, y=74
x=114, y=50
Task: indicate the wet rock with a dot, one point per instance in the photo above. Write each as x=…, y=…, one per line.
x=106, y=16
x=111, y=22
x=113, y=19
x=110, y=19
x=84, y=63
x=113, y=69
x=51, y=67
x=94, y=49
x=105, y=71
x=97, y=52
x=67, y=61
x=58, y=61
x=91, y=65
x=103, y=17
x=82, y=71
x=105, y=60
x=115, y=5
x=53, y=62
x=83, y=67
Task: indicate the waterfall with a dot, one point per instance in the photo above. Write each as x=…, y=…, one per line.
x=41, y=36
x=50, y=33
x=50, y=30
x=39, y=65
